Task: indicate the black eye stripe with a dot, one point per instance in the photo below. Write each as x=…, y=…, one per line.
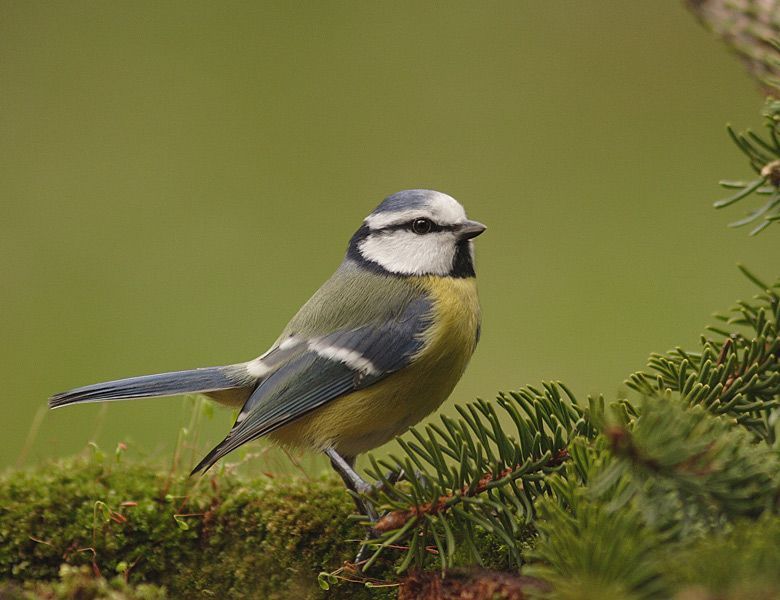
x=407, y=225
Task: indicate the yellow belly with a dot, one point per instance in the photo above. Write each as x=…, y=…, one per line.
x=372, y=416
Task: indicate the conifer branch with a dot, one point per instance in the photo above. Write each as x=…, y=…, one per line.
x=736, y=373
x=474, y=474
x=698, y=457
x=587, y=549
x=764, y=156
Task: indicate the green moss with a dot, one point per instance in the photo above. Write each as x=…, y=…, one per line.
x=223, y=536
x=215, y=537
x=82, y=584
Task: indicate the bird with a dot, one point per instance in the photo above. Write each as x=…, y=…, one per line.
x=379, y=346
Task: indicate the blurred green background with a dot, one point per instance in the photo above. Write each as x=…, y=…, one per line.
x=177, y=178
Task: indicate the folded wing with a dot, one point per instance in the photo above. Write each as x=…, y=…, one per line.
x=322, y=368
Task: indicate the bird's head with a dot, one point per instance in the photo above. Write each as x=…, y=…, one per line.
x=417, y=232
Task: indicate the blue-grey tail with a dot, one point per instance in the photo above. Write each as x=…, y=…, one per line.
x=210, y=379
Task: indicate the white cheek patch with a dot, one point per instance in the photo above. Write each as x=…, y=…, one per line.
x=353, y=359
x=408, y=253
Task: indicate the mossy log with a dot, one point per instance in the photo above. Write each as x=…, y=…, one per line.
x=221, y=536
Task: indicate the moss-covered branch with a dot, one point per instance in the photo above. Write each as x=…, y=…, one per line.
x=91, y=527
x=220, y=536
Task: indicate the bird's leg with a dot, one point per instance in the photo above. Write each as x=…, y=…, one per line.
x=344, y=466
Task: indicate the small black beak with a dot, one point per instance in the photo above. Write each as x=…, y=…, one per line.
x=469, y=229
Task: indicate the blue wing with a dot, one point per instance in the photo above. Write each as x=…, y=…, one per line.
x=320, y=369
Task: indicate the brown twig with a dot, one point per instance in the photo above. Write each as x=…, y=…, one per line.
x=398, y=518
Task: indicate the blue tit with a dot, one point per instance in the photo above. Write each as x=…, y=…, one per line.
x=378, y=347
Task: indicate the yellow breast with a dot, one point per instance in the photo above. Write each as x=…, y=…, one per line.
x=372, y=416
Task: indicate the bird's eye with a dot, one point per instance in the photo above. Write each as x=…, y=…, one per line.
x=421, y=226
